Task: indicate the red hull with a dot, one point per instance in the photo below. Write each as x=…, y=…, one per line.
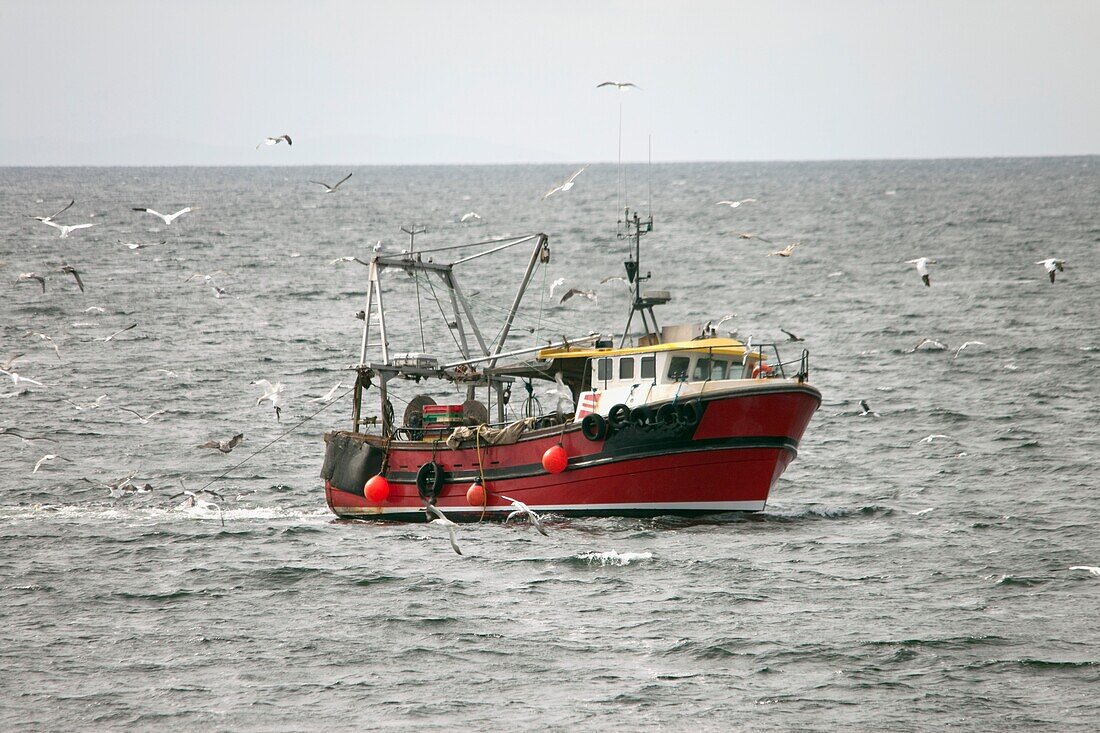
x=728, y=462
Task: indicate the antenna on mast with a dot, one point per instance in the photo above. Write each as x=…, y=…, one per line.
x=416, y=279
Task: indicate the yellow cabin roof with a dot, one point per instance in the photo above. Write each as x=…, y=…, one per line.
x=722, y=346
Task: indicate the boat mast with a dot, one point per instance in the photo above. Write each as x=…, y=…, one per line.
x=640, y=303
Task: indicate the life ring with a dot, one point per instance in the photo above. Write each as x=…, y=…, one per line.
x=429, y=481
x=594, y=427
x=689, y=413
x=617, y=416
x=761, y=371
x=667, y=416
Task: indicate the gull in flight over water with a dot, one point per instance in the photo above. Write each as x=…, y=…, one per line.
x=929, y=345
x=968, y=343
x=1053, y=265
x=328, y=188
x=348, y=258
x=328, y=397
x=523, y=509
x=791, y=336
x=66, y=228
x=711, y=326
x=922, y=264
x=620, y=85
x=48, y=457
x=225, y=446
x=44, y=337
x=70, y=270
x=275, y=141
x=749, y=235
x=934, y=437
x=27, y=277
x=1089, y=568
x=470, y=215
x=143, y=419
x=16, y=433
x=865, y=410
x=786, y=251
x=441, y=519
x=735, y=204
x=166, y=218
x=116, y=333
x=139, y=245
x=89, y=405
x=590, y=294
x=53, y=216
x=272, y=393
x=16, y=378
x=568, y=184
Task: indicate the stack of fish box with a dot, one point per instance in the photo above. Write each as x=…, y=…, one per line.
x=440, y=420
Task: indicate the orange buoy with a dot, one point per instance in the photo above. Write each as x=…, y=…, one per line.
x=555, y=459
x=377, y=489
x=475, y=495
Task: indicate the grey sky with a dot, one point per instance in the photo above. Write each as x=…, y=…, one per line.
x=489, y=82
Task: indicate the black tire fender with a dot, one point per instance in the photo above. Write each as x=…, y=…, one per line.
x=618, y=415
x=690, y=413
x=429, y=481
x=641, y=417
x=594, y=427
x=667, y=416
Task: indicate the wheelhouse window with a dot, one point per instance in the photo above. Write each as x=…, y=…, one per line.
x=678, y=368
x=702, y=371
x=626, y=368
x=718, y=371
x=649, y=367
x=603, y=370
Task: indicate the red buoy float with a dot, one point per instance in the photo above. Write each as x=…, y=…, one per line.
x=555, y=459
x=475, y=495
x=377, y=489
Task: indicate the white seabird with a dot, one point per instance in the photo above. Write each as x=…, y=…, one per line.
x=1090, y=568
x=922, y=264
x=968, y=343
x=274, y=141
x=26, y=277
x=56, y=214
x=620, y=85
x=143, y=419
x=329, y=395
x=590, y=294
x=468, y=216
x=66, y=228
x=273, y=393
x=167, y=218
x=1053, y=265
x=555, y=285
x=735, y=204
x=568, y=184
x=48, y=457
x=786, y=251
x=117, y=333
x=441, y=519
x=523, y=509
x=225, y=446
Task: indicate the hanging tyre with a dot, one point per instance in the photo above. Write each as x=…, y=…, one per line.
x=690, y=413
x=641, y=418
x=617, y=416
x=594, y=427
x=667, y=416
x=429, y=481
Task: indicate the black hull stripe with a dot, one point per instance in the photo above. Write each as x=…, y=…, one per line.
x=532, y=470
x=418, y=516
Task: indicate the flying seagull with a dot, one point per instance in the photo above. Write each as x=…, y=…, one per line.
x=922, y=264
x=968, y=343
x=53, y=216
x=620, y=85
x=89, y=405
x=166, y=218
x=44, y=337
x=865, y=409
x=16, y=378
x=328, y=397
x=69, y=269
x=735, y=204
x=749, y=235
x=276, y=141
x=348, y=258
x=711, y=327
x=273, y=393
x=568, y=184
x=65, y=229
x=27, y=277
x=521, y=508
x=590, y=294
x=470, y=215
x=139, y=245
x=116, y=333
x=934, y=437
x=1090, y=568
x=446, y=523
x=791, y=336
x=328, y=188
x=1053, y=265
x=16, y=433
x=143, y=419
x=929, y=344
x=786, y=251
x=48, y=457
x=225, y=446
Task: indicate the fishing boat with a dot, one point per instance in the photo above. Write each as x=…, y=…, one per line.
x=673, y=420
